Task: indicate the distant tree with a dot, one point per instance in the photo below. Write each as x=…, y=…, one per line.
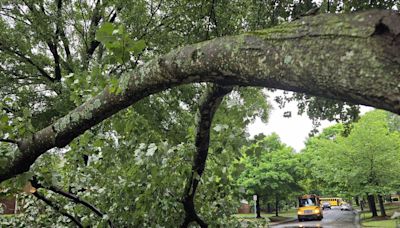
x=270, y=170
x=319, y=162
x=364, y=162
x=372, y=157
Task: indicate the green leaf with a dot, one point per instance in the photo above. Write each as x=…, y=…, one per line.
x=218, y=128
x=136, y=46
x=98, y=143
x=288, y=59
x=105, y=33
x=151, y=149
x=4, y=119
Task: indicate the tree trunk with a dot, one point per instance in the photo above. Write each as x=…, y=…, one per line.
x=381, y=206
x=362, y=204
x=269, y=207
x=258, y=208
x=276, y=206
x=357, y=200
x=372, y=205
x=350, y=57
x=190, y=214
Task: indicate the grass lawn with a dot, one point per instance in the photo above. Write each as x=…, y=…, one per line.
x=390, y=223
x=382, y=222
x=289, y=213
x=271, y=216
x=251, y=215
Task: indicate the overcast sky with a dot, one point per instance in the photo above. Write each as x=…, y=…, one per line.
x=293, y=131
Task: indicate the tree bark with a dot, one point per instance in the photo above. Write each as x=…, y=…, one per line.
x=350, y=57
x=372, y=205
x=258, y=208
x=356, y=198
x=381, y=206
x=208, y=106
x=362, y=204
x=276, y=206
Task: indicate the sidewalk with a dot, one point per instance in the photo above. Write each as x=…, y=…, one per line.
x=357, y=220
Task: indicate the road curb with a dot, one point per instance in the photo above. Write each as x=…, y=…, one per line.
x=282, y=222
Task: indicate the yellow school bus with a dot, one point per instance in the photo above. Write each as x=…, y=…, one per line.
x=333, y=201
x=309, y=208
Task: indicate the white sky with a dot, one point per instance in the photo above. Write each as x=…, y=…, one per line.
x=293, y=131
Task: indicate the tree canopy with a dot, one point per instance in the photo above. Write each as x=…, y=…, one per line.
x=89, y=85
x=362, y=69
x=269, y=169
x=364, y=161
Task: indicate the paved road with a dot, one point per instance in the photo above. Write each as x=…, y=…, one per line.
x=334, y=218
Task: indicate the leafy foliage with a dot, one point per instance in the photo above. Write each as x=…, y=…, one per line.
x=118, y=42
x=364, y=161
x=57, y=54
x=270, y=169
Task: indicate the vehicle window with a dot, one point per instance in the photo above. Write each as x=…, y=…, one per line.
x=307, y=202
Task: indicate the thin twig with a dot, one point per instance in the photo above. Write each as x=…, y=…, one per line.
x=76, y=199
x=8, y=141
x=27, y=60
x=57, y=208
x=71, y=196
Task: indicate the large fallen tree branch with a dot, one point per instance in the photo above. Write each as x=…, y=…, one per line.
x=208, y=106
x=350, y=57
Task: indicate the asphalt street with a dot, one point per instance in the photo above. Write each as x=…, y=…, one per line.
x=333, y=218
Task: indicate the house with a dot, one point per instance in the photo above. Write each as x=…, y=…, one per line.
x=9, y=204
